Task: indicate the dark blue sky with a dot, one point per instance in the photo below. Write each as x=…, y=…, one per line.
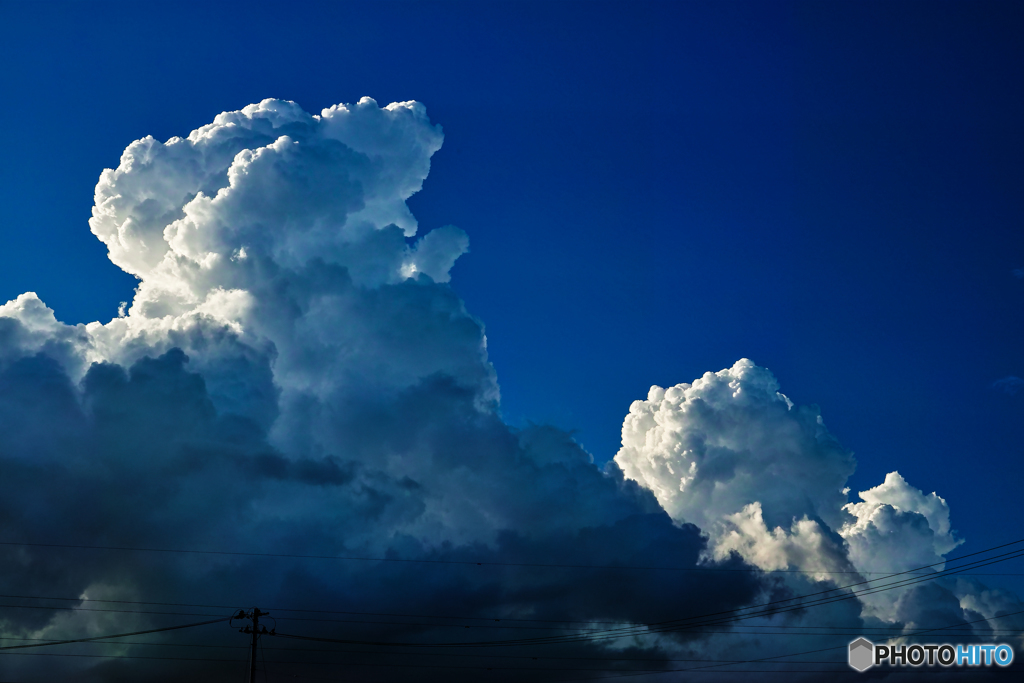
x=651, y=190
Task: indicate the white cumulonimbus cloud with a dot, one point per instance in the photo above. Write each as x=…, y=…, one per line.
x=896, y=527
x=729, y=439
x=765, y=479
x=736, y=457
x=294, y=372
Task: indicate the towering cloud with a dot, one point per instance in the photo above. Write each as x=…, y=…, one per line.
x=295, y=377
x=766, y=480
x=730, y=439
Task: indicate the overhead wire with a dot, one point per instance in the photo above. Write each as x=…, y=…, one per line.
x=816, y=651
x=98, y=609
x=738, y=614
x=725, y=616
x=847, y=670
x=860, y=630
x=678, y=624
x=694, y=628
x=481, y=667
x=910, y=578
x=757, y=629
x=116, y=635
x=788, y=634
x=634, y=672
x=767, y=660
x=454, y=617
x=451, y=562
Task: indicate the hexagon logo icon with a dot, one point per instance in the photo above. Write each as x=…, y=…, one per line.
x=862, y=654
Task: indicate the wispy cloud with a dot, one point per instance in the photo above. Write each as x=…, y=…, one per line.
x=1011, y=384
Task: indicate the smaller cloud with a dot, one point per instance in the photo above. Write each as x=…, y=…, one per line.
x=1018, y=273
x=1011, y=385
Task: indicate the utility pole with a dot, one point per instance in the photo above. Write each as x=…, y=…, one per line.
x=254, y=615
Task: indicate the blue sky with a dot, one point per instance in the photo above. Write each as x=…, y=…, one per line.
x=651, y=191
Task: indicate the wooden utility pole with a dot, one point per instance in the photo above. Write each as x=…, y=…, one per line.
x=254, y=615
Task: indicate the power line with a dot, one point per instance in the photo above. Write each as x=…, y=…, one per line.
x=634, y=672
x=454, y=562
x=385, y=665
x=728, y=616
x=606, y=633
x=737, y=615
x=910, y=572
x=833, y=672
x=454, y=655
x=481, y=667
x=867, y=632
x=99, y=609
x=379, y=614
x=116, y=656
x=609, y=633
x=478, y=667
x=676, y=625
x=632, y=628
x=846, y=670
x=842, y=647
x=627, y=624
x=116, y=635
